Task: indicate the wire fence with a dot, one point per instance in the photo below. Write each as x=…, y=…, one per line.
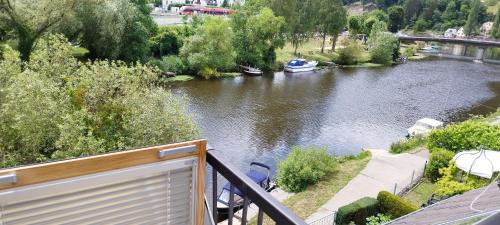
x=415, y=179
x=327, y=220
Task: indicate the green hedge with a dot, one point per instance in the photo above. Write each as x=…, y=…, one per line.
x=440, y=158
x=357, y=211
x=394, y=205
x=472, y=134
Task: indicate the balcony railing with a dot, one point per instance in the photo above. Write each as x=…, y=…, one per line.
x=251, y=193
x=157, y=185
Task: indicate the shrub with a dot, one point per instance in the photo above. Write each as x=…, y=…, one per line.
x=59, y=108
x=394, y=205
x=173, y=64
x=379, y=219
x=304, y=167
x=449, y=184
x=410, y=51
x=407, y=145
x=440, y=158
x=384, y=48
x=472, y=134
x=357, y=211
x=350, y=54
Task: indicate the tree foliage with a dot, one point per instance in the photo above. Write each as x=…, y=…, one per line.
x=471, y=26
x=331, y=20
x=384, y=47
x=396, y=18
x=115, y=29
x=58, y=108
x=496, y=25
x=256, y=37
x=29, y=20
x=300, y=16
x=210, y=50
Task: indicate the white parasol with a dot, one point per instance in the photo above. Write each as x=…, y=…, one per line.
x=481, y=163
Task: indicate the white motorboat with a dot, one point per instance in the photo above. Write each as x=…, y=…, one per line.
x=423, y=127
x=300, y=65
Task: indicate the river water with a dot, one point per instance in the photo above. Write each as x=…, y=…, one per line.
x=344, y=110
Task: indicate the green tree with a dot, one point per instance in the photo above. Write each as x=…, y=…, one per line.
x=300, y=16
x=471, y=26
x=384, y=46
x=58, y=108
x=332, y=18
x=496, y=25
x=412, y=9
x=420, y=25
x=225, y=4
x=266, y=33
x=29, y=20
x=355, y=25
x=114, y=29
x=396, y=18
x=210, y=50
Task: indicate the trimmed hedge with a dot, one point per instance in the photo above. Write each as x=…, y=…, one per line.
x=472, y=134
x=440, y=158
x=357, y=211
x=394, y=205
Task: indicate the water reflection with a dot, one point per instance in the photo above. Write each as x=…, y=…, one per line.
x=260, y=118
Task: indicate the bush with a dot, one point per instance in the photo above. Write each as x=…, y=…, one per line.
x=449, y=184
x=357, y=211
x=394, y=205
x=379, y=219
x=472, y=134
x=440, y=158
x=407, y=145
x=410, y=51
x=59, y=108
x=350, y=54
x=304, y=167
x=384, y=47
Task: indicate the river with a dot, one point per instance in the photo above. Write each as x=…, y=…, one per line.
x=344, y=110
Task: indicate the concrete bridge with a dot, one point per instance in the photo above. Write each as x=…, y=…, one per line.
x=482, y=44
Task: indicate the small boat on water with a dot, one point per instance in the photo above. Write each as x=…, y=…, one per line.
x=423, y=127
x=300, y=65
x=259, y=177
x=251, y=71
x=431, y=49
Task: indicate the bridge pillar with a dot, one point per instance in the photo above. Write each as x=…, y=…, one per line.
x=479, y=58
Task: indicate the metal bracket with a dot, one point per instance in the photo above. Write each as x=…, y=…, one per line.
x=185, y=149
x=8, y=179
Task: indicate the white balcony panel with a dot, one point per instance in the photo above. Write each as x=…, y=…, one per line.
x=159, y=193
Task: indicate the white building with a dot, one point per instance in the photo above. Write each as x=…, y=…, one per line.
x=461, y=33
x=486, y=27
x=450, y=33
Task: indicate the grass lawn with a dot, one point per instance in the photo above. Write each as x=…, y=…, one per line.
x=363, y=65
x=493, y=9
x=309, y=50
x=79, y=51
x=407, y=145
x=307, y=202
x=179, y=78
x=421, y=193
x=232, y=74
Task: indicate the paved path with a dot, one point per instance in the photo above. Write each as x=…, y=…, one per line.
x=381, y=173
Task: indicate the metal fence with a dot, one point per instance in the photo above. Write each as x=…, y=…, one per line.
x=416, y=176
x=327, y=220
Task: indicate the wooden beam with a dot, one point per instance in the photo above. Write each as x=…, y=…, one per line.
x=89, y=165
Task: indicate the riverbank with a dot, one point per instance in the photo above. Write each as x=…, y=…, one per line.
x=382, y=172
x=308, y=201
